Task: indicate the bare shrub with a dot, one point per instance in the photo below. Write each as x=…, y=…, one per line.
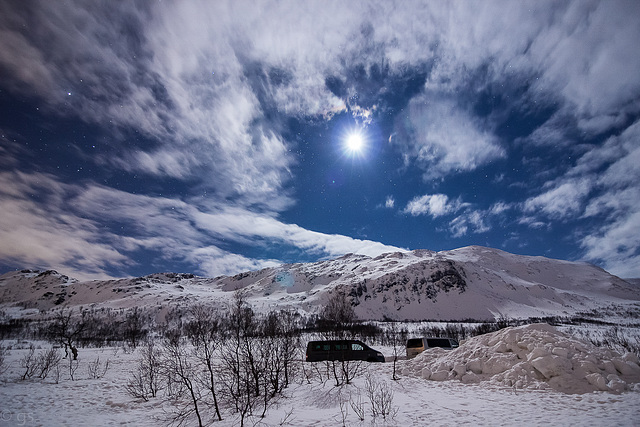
x=97, y=369
x=381, y=398
x=312, y=372
x=3, y=359
x=622, y=339
x=344, y=412
x=29, y=363
x=73, y=367
x=358, y=407
x=145, y=382
x=40, y=364
x=47, y=362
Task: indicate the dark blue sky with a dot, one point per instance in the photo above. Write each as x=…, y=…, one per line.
x=210, y=137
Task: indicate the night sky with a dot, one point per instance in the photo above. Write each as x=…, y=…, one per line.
x=215, y=137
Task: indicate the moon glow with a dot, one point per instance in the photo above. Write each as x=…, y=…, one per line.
x=354, y=143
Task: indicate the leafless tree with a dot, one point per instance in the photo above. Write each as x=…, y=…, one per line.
x=397, y=338
x=240, y=373
x=3, y=359
x=181, y=372
x=134, y=327
x=280, y=331
x=338, y=317
x=338, y=313
x=29, y=363
x=204, y=331
x=48, y=361
x=67, y=330
x=145, y=382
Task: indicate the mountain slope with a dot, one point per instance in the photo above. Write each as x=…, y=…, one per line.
x=471, y=282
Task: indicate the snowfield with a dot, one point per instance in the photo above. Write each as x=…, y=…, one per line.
x=529, y=375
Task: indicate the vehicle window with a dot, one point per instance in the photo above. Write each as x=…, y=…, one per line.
x=438, y=342
x=340, y=347
x=320, y=347
x=356, y=347
x=414, y=342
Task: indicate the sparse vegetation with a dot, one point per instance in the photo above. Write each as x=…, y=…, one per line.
x=145, y=381
x=212, y=363
x=380, y=397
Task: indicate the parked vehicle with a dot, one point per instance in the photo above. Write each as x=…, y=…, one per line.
x=341, y=350
x=416, y=346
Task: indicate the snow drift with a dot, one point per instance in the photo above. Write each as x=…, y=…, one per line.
x=534, y=356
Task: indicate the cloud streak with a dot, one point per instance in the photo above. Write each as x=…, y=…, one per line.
x=70, y=233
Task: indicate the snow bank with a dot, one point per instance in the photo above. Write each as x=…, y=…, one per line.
x=533, y=357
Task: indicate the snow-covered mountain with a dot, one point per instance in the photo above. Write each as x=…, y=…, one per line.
x=467, y=283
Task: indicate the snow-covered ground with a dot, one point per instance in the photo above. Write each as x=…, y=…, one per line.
x=533, y=354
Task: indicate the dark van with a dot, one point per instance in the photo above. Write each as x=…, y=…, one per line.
x=416, y=346
x=342, y=350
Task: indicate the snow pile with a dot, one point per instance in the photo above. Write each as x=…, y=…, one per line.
x=532, y=356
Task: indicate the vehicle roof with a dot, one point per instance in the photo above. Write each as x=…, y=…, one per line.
x=430, y=338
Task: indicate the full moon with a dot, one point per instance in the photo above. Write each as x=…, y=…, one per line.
x=354, y=142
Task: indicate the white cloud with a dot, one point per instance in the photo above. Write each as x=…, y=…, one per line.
x=474, y=221
x=616, y=245
x=499, y=208
x=390, y=202
x=441, y=138
x=214, y=262
x=432, y=204
x=182, y=77
x=237, y=223
x=589, y=55
x=566, y=199
x=36, y=234
x=49, y=224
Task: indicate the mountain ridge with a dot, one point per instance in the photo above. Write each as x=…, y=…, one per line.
x=473, y=282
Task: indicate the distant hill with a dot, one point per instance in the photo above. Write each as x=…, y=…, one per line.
x=467, y=283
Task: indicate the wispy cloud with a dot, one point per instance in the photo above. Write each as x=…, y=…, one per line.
x=564, y=199
x=46, y=223
x=434, y=205
x=390, y=202
x=474, y=221
x=442, y=138
x=42, y=233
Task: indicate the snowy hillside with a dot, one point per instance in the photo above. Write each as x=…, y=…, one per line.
x=471, y=282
